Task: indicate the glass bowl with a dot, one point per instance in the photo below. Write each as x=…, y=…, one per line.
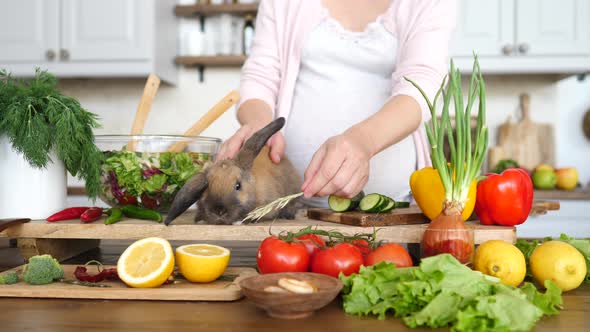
x=457, y=242
x=139, y=170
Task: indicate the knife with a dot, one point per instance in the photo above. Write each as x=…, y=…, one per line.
x=5, y=223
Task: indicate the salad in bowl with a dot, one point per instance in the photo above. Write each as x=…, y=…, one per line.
x=150, y=175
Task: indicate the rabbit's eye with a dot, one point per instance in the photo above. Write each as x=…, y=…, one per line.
x=238, y=186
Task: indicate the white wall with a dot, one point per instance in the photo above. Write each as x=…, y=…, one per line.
x=176, y=108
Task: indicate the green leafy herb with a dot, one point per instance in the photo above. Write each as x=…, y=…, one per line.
x=442, y=292
x=38, y=119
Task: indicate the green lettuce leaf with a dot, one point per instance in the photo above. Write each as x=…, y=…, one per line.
x=155, y=183
x=442, y=292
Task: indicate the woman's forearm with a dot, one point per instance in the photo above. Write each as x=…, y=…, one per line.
x=255, y=113
x=396, y=120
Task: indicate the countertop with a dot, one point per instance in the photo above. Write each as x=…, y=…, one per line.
x=87, y=315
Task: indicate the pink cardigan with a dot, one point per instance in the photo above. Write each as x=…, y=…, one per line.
x=422, y=27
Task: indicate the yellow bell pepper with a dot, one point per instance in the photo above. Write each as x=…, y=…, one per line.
x=429, y=193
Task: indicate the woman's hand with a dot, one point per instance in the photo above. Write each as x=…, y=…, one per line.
x=340, y=166
x=231, y=147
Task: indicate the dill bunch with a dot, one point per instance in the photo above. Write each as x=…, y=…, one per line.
x=38, y=119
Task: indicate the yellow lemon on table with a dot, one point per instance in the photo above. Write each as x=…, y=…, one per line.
x=202, y=262
x=146, y=263
x=501, y=260
x=559, y=262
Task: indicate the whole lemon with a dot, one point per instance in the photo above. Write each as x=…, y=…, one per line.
x=502, y=260
x=559, y=262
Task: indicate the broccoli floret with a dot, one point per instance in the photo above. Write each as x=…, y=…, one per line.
x=42, y=269
x=8, y=278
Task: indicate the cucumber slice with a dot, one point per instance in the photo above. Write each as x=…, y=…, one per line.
x=390, y=205
x=343, y=204
x=371, y=203
x=402, y=204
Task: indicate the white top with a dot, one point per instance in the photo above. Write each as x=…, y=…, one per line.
x=344, y=78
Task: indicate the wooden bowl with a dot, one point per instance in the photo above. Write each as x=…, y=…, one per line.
x=291, y=305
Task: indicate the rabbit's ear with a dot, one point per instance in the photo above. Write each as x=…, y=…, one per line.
x=187, y=195
x=255, y=143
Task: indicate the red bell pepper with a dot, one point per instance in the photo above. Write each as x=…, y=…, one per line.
x=504, y=199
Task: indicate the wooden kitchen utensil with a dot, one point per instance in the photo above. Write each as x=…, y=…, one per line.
x=206, y=120
x=528, y=143
x=405, y=216
x=5, y=223
x=226, y=288
x=143, y=109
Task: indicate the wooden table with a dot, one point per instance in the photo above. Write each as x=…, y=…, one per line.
x=83, y=315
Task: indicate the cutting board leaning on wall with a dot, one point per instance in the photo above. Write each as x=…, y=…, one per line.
x=528, y=143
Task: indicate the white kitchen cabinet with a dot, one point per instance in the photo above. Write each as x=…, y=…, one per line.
x=523, y=36
x=548, y=27
x=28, y=40
x=488, y=34
x=89, y=38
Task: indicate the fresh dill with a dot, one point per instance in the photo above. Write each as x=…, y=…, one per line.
x=38, y=119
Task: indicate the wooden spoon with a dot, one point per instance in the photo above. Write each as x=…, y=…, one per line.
x=144, y=107
x=206, y=120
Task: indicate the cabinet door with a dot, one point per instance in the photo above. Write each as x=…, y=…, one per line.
x=106, y=30
x=484, y=27
x=28, y=30
x=548, y=27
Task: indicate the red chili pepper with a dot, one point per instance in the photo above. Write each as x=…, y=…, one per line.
x=504, y=199
x=67, y=214
x=92, y=214
x=81, y=273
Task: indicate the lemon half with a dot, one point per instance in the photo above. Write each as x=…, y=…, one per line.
x=146, y=263
x=202, y=262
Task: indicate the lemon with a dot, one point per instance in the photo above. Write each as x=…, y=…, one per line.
x=501, y=260
x=146, y=263
x=201, y=262
x=559, y=262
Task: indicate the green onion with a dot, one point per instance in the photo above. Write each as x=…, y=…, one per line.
x=465, y=161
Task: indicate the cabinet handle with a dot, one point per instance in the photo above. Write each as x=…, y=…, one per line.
x=50, y=55
x=64, y=54
x=523, y=48
x=507, y=49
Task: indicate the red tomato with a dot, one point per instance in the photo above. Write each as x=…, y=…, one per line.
x=391, y=252
x=313, y=243
x=363, y=246
x=344, y=257
x=275, y=255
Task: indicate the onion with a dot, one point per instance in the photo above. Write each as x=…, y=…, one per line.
x=447, y=233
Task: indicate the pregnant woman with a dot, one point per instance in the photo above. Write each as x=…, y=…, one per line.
x=335, y=70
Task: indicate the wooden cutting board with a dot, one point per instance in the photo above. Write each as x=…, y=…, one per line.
x=405, y=216
x=528, y=143
x=223, y=289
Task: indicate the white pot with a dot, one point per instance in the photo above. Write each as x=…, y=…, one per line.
x=28, y=192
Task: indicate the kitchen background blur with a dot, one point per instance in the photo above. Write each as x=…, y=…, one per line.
x=103, y=51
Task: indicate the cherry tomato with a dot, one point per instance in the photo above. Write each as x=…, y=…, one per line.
x=363, y=246
x=343, y=257
x=313, y=243
x=390, y=252
x=275, y=255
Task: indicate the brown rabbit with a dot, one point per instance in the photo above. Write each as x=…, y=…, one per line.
x=228, y=190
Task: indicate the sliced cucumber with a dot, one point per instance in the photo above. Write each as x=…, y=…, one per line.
x=343, y=204
x=399, y=204
x=390, y=205
x=371, y=203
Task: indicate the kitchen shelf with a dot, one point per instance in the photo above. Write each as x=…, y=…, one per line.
x=563, y=194
x=206, y=10
x=210, y=61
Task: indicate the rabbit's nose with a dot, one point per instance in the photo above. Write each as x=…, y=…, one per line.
x=220, y=210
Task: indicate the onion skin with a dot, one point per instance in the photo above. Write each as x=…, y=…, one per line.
x=447, y=233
